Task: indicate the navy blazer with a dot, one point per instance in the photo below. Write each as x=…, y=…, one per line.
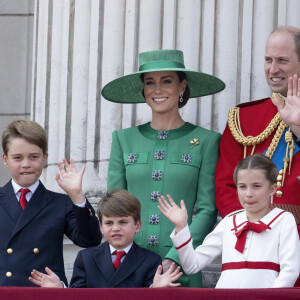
x=33, y=238
x=93, y=268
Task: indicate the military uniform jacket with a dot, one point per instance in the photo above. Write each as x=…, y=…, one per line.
x=33, y=238
x=270, y=258
x=254, y=117
x=93, y=268
x=180, y=162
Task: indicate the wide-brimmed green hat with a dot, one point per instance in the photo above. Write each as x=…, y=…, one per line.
x=129, y=88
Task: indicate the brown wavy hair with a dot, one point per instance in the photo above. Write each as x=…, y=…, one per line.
x=28, y=130
x=119, y=203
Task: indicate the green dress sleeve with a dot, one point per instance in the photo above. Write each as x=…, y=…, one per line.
x=116, y=168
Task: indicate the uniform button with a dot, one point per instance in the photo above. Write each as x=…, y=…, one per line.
x=36, y=250
x=279, y=194
x=8, y=274
x=9, y=251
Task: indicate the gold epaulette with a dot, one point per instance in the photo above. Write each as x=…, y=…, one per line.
x=236, y=131
x=276, y=123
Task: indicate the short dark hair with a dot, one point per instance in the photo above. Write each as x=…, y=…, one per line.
x=119, y=203
x=28, y=130
x=258, y=162
x=294, y=32
x=186, y=95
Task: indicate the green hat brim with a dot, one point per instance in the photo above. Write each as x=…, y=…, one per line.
x=129, y=88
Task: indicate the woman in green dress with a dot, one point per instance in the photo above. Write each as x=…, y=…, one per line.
x=166, y=155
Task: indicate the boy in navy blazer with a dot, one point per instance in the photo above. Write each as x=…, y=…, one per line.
x=119, y=215
x=33, y=220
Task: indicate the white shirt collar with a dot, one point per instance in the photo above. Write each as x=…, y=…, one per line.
x=17, y=187
x=241, y=218
x=112, y=249
x=284, y=97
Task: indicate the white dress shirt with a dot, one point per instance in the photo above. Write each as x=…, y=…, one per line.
x=32, y=189
x=112, y=250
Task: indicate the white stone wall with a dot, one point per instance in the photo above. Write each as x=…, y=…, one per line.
x=80, y=45
x=16, y=23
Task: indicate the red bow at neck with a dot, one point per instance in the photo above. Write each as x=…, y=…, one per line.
x=242, y=234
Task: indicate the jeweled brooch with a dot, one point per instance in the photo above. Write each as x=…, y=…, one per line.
x=152, y=240
x=159, y=154
x=132, y=158
x=155, y=195
x=162, y=134
x=157, y=175
x=154, y=219
x=186, y=158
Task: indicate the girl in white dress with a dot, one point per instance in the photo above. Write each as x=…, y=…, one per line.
x=259, y=245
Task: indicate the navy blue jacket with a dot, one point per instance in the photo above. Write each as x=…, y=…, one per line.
x=33, y=239
x=93, y=268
